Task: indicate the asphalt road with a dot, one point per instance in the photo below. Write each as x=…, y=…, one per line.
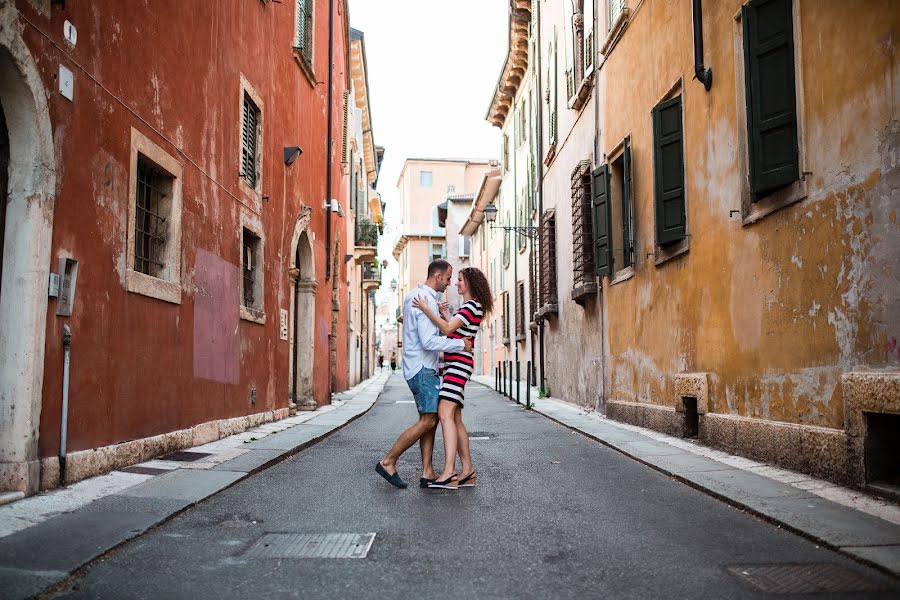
x=555, y=515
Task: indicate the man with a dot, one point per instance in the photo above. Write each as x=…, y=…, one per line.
x=422, y=341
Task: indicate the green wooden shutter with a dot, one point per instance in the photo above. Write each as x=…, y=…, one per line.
x=627, y=208
x=668, y=154
x=250, y=131
x=771, y=94
x=600, y=210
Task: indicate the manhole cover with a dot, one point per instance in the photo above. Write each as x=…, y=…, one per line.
x=312, y=545
x=802, y=579
x=146, y=470
x=185, y=456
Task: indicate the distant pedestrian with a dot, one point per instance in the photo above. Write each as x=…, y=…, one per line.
x=422, y=342
x=393, y=361
x=381, y=361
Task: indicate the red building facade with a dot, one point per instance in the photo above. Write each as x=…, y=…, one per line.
x=156, y=144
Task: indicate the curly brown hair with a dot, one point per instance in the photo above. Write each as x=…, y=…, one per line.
x=479, y=288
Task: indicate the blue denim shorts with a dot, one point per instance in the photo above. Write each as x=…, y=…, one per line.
x=425, y=386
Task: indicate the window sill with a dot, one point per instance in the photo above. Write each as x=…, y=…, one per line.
x=615, y=33
x=756, y=211
x=153, y=287
x=547, y=310
x=520, y=337
x=254, y=194
x=505, y=341
x=305, y=67
x=667, y=253
x=253, y=315
x=582, y=292
x=551, y=152
x=623, y=275
x=583, y=94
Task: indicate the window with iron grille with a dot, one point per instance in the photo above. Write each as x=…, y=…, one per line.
x=548, y=296
x=615, y=9
x=533, y=266
x=152, y=210
x=303, y=40
x=250, y=268
x=250, y=142
x=582, y=233
x=523, y=239
x=520, y=310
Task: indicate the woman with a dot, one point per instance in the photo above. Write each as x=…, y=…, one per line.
x=393, y=361
x=472, y=285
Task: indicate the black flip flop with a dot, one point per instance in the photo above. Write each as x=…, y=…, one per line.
x=394, y=479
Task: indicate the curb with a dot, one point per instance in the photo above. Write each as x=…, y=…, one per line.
x=20, y=581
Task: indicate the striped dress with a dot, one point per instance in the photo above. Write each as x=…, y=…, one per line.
x=458, y=366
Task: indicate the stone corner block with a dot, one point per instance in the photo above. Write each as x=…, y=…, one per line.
x=282, y=413
x=865, y=391
x=204, y=433
x=692, y=385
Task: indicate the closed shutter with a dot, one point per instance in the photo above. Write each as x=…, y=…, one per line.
x=548, y=297
x=346, y=127
x=249, y=132
x=304, y=27
x=771, y=94
x=668, y=156
x=601, y=217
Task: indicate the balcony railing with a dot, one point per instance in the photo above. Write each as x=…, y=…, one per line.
x=371, y=272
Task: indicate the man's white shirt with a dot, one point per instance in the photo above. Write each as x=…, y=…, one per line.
x=422, y=340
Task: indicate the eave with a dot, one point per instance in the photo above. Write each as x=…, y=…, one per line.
x=516, y=64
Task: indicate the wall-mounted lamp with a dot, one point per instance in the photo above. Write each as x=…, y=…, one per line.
x=291, y=154
x=335, y=207
x=490, y=215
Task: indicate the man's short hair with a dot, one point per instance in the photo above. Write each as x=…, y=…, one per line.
x=438, y=266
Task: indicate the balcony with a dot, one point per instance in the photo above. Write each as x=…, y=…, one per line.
x=371, y=277
x=366, y=241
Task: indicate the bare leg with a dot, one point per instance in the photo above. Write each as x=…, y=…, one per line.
x=410, y=436
x=462, y=437
x=446, y=411
x=426, y=445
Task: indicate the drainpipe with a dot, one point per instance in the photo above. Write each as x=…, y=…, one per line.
x=328, y=158
x=702, y=73
x=540, y=174
x=64, y=425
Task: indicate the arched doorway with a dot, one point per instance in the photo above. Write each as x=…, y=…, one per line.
x=303, y=310
x=27, y=212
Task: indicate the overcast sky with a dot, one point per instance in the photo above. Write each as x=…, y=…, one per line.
x=432, y=69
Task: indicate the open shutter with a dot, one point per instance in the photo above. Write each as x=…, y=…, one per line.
x=771, y=94
x=601, y=217
x=668, y=155
x=627, y=208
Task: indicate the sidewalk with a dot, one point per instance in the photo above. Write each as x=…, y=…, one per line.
x=844, y=519
x=45, y=538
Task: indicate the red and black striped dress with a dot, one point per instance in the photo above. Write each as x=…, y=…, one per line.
x=458, y=366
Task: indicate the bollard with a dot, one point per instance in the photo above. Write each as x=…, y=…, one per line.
x=518, y=383
x=528, y=380
x=510, y=380
x=503, y=377
x=496, y=380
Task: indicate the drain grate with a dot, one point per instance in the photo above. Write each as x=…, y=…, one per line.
x=312, y=545
x=186, y=456
x=146, y=470
x=803, y=579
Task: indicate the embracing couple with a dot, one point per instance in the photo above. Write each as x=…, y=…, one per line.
x=439, y=398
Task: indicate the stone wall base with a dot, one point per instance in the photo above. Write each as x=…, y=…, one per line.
x=664, y=419
x=19, y=476
x=90, y=463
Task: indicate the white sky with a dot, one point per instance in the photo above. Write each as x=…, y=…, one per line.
x=433, y=66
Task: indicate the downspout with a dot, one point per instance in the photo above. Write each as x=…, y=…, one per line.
x=540, y=175
x=702, y=73
x=328, y=157
x=598, y=157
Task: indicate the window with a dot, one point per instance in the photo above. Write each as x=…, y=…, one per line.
x=668, y=159
x=520, y=311
x=771, y=96
x=548, y=298
x=438, y=250
x=303, y=39
x=251, y=269
x=451, y=189
x=615, y=9
x=250, y=142
x=504, y=157
x=533, y=268
x=425, y=178
x=588, y=37
x=153, y=250
x=152, y=209
x=504, y=323
x=551, y=92
x=582, y=233
x=465, y=246
x=621, y=210
x=506, y=242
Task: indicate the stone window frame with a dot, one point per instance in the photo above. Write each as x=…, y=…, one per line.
x=253, y=192
x=625, y=273
x=253, y=224
x=753, y=210
x=167, y=288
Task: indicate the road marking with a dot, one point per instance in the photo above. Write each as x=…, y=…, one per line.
x=480, y=437
x=404, y=401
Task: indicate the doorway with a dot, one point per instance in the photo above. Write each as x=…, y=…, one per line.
x=303, y=306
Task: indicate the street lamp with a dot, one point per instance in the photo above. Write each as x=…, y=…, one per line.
x=393, y=285
x=490, y=216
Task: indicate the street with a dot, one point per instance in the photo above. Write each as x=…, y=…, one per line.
x=555, y=515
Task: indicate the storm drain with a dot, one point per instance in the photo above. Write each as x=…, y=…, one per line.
x=312, y=545
x=803, y=579
x=185, y=456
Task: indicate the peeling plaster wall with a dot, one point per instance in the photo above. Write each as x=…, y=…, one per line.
x=140, y=366
x=775, y=311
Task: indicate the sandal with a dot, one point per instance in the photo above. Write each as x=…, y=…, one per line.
x=447, y=484
x=469, y=481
